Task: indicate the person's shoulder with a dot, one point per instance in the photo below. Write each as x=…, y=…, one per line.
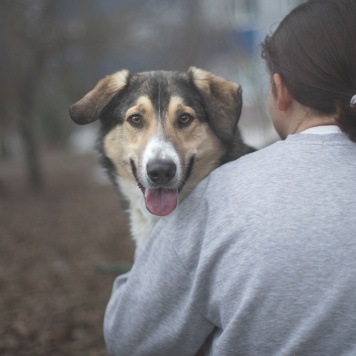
x=186, y=226
x=247, y=164
x=192, y=224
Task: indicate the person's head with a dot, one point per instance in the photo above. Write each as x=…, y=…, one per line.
x=312, y=55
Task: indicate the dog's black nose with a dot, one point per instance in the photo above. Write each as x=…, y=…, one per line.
x=161, y=171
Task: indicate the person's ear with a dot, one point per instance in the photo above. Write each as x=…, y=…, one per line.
x=283, y=96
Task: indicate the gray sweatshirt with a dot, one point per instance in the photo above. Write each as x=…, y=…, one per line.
x=259, y=260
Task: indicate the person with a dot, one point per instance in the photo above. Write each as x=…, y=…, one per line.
x=261, y=258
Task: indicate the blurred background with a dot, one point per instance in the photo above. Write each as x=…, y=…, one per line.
x=61, y=225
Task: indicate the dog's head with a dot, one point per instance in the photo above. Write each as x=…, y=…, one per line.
x=163, y=130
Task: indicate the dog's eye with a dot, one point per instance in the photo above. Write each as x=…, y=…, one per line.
x=135, y=120
x=185, y=119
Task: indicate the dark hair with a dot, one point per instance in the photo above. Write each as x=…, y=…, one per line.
x=314, y=51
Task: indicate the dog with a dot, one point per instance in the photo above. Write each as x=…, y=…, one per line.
x=161, y=133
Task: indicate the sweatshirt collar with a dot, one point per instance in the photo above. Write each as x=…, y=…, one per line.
x=322, y=130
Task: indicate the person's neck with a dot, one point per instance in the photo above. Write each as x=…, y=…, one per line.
x=314, y=122
x=305, y=119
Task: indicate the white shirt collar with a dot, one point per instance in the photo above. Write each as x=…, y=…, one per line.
x=322, y=130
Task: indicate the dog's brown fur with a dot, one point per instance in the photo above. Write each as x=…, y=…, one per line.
x=192, y=115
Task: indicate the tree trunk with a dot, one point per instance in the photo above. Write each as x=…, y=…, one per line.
x=33, y=165
x=28, y=132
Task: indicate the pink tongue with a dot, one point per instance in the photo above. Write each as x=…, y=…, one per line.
x=161, y=201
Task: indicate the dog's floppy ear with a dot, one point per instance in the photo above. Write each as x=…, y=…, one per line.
x=223, y=100
x=88, y=109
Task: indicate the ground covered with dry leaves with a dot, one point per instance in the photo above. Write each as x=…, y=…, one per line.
x=53, y=246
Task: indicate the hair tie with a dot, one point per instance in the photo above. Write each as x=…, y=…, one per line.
x=353, y=102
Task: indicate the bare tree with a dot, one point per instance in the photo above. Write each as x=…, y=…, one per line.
x=36, y=37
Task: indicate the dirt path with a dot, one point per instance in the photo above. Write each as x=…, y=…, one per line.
x=52, y=293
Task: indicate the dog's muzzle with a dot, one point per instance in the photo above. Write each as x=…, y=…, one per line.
x=161, y=200
x=160, y=197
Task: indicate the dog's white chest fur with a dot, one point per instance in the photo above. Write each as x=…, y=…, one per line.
x=142, y=222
